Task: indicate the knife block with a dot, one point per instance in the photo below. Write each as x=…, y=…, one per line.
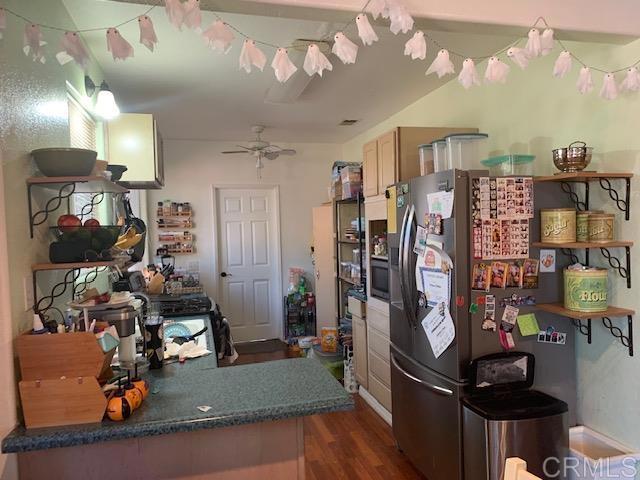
x=59, y=383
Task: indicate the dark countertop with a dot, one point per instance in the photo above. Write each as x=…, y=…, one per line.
x=238, y=395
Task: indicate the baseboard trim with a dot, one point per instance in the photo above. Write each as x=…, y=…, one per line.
x=375, y=405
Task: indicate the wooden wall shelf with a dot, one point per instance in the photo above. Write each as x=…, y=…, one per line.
x=581, y=245
x=584, y=176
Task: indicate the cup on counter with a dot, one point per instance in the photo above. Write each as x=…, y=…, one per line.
x=154, y=335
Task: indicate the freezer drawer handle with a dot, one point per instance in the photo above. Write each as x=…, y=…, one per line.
x=433, y=388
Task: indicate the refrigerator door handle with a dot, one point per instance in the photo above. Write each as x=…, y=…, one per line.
x=434, y=388
x=403, y=288
x=406, y=251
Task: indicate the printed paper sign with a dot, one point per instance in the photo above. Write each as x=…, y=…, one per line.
x=547, y=261
x=437, y=286
x=440, y=330
x=441, y=203
x=420, y=244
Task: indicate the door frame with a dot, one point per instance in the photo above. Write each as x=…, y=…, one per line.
x=217, y=286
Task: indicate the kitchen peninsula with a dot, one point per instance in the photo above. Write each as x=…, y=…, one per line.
x=254, y=429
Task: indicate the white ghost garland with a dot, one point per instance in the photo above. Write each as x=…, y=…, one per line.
x=315, y=61
x=631, y=82
x=585, y=82
x=175, y=12
x=72, y=50
x=609, y=90
x=468, y=76
x=496, y=71
x=282, y=65
x=378, y=8
x=148, y=36
x=344, y=49
x=534, y=44
x=547, y=42
x=219, y=36
x=3, y=22
x=563, y=64
x=365, y=31
x=519, y=56
x=399, y=17
x=416, y=46
x=192, y=14
x=33, y=43
x=441, y=65
x=116, y=44
x=251, y=56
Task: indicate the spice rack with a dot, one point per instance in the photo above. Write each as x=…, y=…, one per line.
x=568, y=183
x=175, y=220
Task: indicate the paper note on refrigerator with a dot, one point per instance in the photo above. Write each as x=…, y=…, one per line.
x=391, y=211
x=441, y=203
x=437, y=286
x=528, y=325
x=440, y=330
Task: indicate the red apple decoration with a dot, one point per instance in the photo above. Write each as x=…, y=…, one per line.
x=69, y=223
x=92, y=224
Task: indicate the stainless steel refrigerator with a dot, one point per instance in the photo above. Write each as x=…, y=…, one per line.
x=427, y=391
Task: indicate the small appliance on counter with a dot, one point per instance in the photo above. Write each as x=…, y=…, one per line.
x=503, y=418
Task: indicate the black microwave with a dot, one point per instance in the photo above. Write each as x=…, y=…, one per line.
x=379, y=278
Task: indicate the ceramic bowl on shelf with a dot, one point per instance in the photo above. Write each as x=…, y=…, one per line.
x=64, y=162
x=575, y=158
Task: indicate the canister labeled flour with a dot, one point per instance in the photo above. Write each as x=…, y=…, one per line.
x=558, y=225
x=585, y=289
x=601, y=227
x=582, y=224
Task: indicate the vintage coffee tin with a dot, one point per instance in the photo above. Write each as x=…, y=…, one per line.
x=582, y=224
x=601, y=227
x=585, y=290
x=558, y=225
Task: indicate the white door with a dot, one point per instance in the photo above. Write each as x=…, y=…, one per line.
x=249, y=256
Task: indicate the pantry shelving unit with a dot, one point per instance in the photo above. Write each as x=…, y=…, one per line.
x=178, y=223
x=622, y=201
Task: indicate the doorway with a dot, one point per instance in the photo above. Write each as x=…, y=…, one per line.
x=249, y=275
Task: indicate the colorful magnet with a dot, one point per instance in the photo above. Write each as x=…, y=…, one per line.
x=481, y=300
x=473, y=308
x=460, y=301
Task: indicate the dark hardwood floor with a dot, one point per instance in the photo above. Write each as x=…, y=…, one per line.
x=346, y=445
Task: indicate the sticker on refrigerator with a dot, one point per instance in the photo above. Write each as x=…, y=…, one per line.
x=551, y=336
x=530, y=274
x=436, y=286
x=481, y=277
x=434, y=223
x=507, y=324
x=489, y=320
x=514, y=275
x=547, y=261
x=420, y=245
x=441, y=203
x=439, y=328
x=498, y=275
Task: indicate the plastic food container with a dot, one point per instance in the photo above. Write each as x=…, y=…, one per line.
x=426, y=158
x=439, y=148
x=463, y=149
x=510, y=165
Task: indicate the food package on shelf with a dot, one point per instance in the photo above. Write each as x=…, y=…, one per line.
x=351, y=189
x=351, y=174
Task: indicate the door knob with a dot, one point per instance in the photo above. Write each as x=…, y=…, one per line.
x=225, y=274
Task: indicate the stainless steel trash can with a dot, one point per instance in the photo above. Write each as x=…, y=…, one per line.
x=503, y=418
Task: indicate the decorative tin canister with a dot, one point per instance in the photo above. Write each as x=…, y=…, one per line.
x=585, y=289
x=582, y=224
x=558, y=225
x=601, y=227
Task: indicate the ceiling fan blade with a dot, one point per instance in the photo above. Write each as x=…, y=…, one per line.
x=235, y=151
x=246, y=148
x=287, y=151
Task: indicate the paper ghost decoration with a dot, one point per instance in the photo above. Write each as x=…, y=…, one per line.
x=316, y=61
x=148, y=36
x=609, y=90
x=72, y=49
x=496, y=71
x=400, y=19
x=468, y=76
x=3, y=22
x=33, y=42
x=519, y=56
x=175, y=12
x=344, y=49
x=547, y=42
x=534, y=44
x=416, y=46
x=365, y=31
x=251, y=55
x=117, y=45
x=563, y=64
x=441, y=65
x=282, y=65
x=585, y=83
x=219, y=36
x=192, y=14
x=378, y=8
x=631, y=82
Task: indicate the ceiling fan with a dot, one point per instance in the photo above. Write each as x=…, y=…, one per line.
x=260, y=149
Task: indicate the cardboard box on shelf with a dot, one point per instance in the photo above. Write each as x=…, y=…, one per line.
x=351, y=189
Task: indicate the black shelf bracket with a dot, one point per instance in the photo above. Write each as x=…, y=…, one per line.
x=38, y=218
x=87, y=209
x=626, y=340
x=567, y=187
x=623, y=270
x=571, y=254
x=622, y=204
x=583, y=328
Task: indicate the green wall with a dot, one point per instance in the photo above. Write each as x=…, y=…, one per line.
x=534, y=113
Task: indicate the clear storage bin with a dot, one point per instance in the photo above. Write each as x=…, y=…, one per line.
x=510, y=165
x=439, y=148
x=464, y=150
x=426, y=159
